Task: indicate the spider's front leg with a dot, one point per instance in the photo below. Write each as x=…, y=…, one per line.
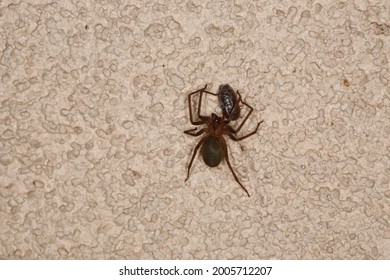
x=190, y=105
x=202, y=118
x=246, y=117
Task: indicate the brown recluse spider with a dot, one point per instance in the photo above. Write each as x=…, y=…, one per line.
x=213, y=144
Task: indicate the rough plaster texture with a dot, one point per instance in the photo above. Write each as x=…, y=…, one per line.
x=93, y=107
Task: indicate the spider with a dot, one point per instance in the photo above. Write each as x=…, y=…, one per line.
x=213, y=145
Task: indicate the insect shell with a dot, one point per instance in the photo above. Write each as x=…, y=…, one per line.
x=228, y=102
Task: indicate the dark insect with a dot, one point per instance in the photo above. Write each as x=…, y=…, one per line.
x=228, y=101
x=213, y=145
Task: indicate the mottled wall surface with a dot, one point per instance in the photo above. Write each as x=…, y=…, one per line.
x=93, y=108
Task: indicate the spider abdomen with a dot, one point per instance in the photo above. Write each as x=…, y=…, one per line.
x=212, y=152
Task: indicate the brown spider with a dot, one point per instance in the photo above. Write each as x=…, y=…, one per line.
x=213, y=144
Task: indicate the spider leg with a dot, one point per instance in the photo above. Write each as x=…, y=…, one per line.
x=247, y=116
x=202, y=121
x=203, y=118
x=224, y=147
x=236, y=105
x=193, y=157
x=202, y=89
x=193, y=131
x=231, y=132
x=210, y=92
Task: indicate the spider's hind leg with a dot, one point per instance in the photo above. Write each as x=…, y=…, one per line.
x=224, y=147
x=193, y=157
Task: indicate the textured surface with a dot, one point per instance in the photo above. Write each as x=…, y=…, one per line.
x=93, y=107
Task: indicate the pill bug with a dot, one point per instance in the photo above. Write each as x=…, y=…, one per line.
x=228, y=102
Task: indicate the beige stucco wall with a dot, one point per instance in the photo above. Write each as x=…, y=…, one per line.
x=93, y=108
